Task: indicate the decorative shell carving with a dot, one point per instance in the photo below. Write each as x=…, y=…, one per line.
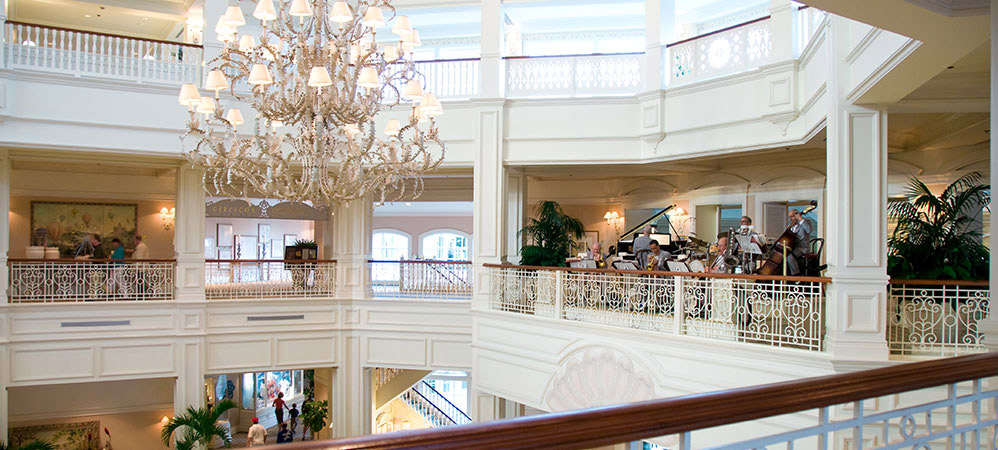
x=598, y=378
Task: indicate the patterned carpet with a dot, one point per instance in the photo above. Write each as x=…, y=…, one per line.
x=239, y=439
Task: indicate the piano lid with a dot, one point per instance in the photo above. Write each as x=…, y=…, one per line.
x=627, y=236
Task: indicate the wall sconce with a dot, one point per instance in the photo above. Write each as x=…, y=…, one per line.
x=679, y=211
x=168, y=216
x=613, y=219
x=164, y=421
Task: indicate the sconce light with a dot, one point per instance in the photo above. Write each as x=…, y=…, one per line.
x=613, y=219
x=679, y=211
x=167, y=216
x=165, y=420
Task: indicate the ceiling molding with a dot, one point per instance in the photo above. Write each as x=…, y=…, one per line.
x=955, y=8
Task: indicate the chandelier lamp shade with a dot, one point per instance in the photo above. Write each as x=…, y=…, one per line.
x=317, y=81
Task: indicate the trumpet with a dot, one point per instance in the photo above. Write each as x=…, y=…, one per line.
x=600, y=262
x=652, y=262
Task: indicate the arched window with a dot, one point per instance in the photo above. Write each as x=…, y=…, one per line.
x=446, y=245
x=390, y=245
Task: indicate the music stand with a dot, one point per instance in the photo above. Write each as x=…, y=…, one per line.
x=697, y=266
x=745, y=243
x=624, y=265
x=677, y=266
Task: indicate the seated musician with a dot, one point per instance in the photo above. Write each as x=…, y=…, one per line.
x=717, y=264
x=746, y=229
x=656, y=258
x=595, y=253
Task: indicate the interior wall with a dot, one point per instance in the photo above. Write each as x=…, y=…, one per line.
x=706, y=222
x=303, y=229
x=131, y=410
x=149, y=223
x=417, y=225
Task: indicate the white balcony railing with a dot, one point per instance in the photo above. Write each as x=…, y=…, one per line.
x=70, y=280
x=571, y=76
x=99, y=55
x=936, y=318
x=809, y=21
x=776, y=311
x=231, y=279
x=724, y=52
x=421, y=279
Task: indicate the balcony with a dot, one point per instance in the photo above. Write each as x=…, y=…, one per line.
x=933, y=318
x=98, y=55
x=421, y=280
x=243, y=279
x=71, y=280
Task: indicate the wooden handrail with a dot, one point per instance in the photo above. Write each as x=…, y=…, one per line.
x=289, y=261
x=717, y=31
x=85, y=260
x=418, y=261
x=608, y=425
x=98, y=33
x=940, y=282
x=668, y=274
x=579, y=55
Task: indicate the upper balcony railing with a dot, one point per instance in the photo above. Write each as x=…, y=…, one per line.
x=99, y=55
x=942, y=404
x=573, y=75
x=936, y=317
x=237, y=278
x=723, y=52
x=768, y=310
x=85, y=280
x=421, y=279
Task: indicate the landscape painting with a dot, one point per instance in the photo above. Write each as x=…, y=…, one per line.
x=67, y=224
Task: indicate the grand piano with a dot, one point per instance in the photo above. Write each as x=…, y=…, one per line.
x=625, y=242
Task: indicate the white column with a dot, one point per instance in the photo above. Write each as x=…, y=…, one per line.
x=781, y=30
x=351, y=244
x=352, y=408
x=489, y=197
x=4, y=400
x=4, y=226
x=493, y=79
x=989, y=326
x=516, y=213
x=189, y=387
x=856, y=235
x=188, y=237
x=660, y=29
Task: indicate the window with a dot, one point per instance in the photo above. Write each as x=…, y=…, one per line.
x=446, y=246
x=730, y=217
x=389, y=245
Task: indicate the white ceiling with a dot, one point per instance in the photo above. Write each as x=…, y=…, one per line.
x=154, y=19
x=446, y=209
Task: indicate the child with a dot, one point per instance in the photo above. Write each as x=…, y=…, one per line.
x=284, y=435
x=294, y=417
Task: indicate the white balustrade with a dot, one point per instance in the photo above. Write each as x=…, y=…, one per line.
x=231, y=279
x=809, y=21
x=572, y=76
x=421, y=279
x=446, y=78
x=931, y=318
x=45, y=281
x=775, y=311
x=97, y=55
x=724, y=52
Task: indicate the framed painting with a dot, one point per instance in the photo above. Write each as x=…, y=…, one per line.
x=67, y=224
x=224, y=235
x=588, y=239
x=70, y=436
x=289, y=239
x=209, y=248
x=246, y=247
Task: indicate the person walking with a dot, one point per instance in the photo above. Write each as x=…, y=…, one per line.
x=141, y=249
x=279, y=407
x=294, y=417
x=257, y=434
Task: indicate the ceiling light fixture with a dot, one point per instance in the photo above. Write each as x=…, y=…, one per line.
x=317, y=72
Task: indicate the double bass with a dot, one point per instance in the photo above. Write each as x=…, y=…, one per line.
x=783, y=245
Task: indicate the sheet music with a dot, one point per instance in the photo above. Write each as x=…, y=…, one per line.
x=677, y=266
x=746, y=244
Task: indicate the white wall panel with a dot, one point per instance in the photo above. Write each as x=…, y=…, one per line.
x=306, y=351
x=136, y=359
x=90, y=322
x=238, y=354
x=51, y=363
x=389, y=351
x=444, y=353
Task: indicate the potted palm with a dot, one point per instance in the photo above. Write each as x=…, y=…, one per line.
x=553, y=234
x=200, y=427
x=940, y=237
x=313, y=416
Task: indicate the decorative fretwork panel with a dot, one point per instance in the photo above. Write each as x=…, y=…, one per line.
x=85, y=281
x=728, y=52
x=573, y=75
x=422, y=279
x=231, y=279
x=936, y=320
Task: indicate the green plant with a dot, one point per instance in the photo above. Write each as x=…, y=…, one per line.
x=313, y=417
x=200, y=427
x=939, y=237
x=306, y=243
x=553, y=233
x=33, y=445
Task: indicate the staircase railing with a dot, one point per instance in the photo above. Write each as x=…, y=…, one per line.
x=445, y=406
x=852, y=412
x=434, y=415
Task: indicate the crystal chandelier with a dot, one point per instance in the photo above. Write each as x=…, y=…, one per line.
x=317, y=78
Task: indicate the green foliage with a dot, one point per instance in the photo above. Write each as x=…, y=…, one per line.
x=938, y=238
x=313, y=417
x=33, y=445
x=199, y=426
x=305, y=243
x=553, y=233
